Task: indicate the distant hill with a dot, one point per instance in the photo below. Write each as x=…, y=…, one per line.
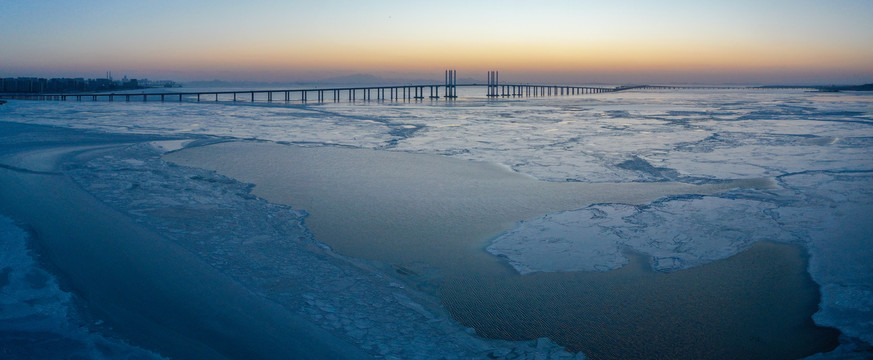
x=826, y=88
x=353, y=79
x=834, y=88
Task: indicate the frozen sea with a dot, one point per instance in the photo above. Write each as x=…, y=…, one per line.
x=793, y=173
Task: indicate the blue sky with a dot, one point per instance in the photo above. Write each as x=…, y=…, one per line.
x=611, y=41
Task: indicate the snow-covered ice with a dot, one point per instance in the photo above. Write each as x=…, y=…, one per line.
x=815, y=147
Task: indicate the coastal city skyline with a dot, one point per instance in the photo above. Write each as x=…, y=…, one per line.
x=563, y=41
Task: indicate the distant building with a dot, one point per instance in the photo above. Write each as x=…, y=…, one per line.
x=24, y=85
x=70, y=85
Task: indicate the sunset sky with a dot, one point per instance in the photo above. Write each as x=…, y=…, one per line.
x=736, y=41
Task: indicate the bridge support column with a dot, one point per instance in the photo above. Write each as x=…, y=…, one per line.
x=451, y=84
x=492, y=84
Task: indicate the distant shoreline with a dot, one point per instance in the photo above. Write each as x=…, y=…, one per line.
x=819, y=88
x=826, y=88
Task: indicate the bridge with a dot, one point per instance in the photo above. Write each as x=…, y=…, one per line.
x=493, y=89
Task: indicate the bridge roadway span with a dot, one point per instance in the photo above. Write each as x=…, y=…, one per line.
x=392, y=92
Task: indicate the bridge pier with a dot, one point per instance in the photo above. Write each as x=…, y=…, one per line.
x=492, y=84
x=451, y=84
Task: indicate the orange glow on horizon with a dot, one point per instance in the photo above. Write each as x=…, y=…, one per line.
x=545, y=57
x=292, y=40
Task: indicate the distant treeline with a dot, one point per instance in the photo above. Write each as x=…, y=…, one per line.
x=69, y=85
x=865, y=87
x=827, y=88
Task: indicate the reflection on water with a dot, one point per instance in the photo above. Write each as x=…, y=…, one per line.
x=430, y=214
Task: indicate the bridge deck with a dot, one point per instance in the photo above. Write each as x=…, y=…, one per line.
x=392, y=92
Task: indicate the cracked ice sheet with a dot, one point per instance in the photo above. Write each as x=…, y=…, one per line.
x=757, y=160
x=825, y=211
x=584, y=139
x=261, y=121
x=579, y=138
x=834, y=216
x=551, y=141
x=711, y=135
x=677, y=233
